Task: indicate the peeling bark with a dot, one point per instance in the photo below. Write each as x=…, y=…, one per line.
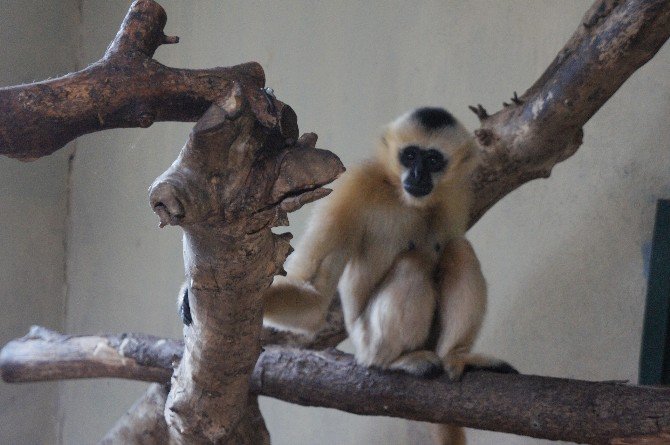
x=44, y=355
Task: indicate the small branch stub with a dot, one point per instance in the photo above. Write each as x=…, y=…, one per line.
x=480, y=111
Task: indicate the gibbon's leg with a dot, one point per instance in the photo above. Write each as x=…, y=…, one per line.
x=299, y=300
x=422, y=363
x=461, y=308
x=397, y=320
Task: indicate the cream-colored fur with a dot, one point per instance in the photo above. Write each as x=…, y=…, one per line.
x=396, y=260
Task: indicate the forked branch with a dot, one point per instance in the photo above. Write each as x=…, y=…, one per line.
x=126, y=88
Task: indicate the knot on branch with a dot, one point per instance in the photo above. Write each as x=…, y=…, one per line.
x=234, y=168
x=485, y=136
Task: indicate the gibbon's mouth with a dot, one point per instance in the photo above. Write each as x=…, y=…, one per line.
x=418, y=191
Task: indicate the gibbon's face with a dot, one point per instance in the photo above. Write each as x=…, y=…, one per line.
x=425, y=150
x=422, y=167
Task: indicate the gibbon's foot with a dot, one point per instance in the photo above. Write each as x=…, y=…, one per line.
x=184, y=308
x=419, y=363
x=456, y=365
x=500, y=368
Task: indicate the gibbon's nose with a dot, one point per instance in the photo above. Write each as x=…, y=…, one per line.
x=418, y=183
x=418, y=168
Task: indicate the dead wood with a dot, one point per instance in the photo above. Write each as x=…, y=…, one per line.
x=233, y=181
x=524, y=140
x=543, y=407
x=126, y=88
x=44, y=355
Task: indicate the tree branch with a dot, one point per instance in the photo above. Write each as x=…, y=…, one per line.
x=525, y=140
x=44, y=355
x=233, y=181
x=543, y=407
x=126, y=88
x=519, y=143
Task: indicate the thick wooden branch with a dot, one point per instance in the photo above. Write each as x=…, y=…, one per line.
x=543, y=407
x=233, y=181
x=525, y=140
x=44, y=355
x=126, y=88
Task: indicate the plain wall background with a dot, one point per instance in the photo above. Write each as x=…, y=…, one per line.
x=37, y=40
x=564, y=257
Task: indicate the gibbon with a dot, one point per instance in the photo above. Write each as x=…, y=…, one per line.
x=390, y=240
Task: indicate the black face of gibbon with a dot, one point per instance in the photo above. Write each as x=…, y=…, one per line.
x=420, y=163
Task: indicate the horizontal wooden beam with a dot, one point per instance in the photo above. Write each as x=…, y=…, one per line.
x=542, y=407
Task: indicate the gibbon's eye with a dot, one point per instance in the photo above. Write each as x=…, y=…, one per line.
x=435, y=161
x=408, y=155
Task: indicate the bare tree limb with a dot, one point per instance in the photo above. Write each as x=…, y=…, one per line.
x=543, y=407
x=126, y=88
x=524, y=141
x=44, y=355
x=233, y=181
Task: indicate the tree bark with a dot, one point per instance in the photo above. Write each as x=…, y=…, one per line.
x=542, y=407
x=232, y=182
x=525, y=139
x=44, y=355
x=126, y=88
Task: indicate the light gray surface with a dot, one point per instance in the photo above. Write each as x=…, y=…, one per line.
x=37, y=41
x=564, y=257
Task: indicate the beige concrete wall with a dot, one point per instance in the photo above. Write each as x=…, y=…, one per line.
x=563, y=256
x=36, y=41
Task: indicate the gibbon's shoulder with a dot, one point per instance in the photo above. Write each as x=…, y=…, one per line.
x=367, y=184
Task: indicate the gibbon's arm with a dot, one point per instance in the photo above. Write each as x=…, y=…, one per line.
x=461, y=306
x=299, y=300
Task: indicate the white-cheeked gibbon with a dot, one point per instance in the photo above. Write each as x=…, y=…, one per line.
x=390, y=240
